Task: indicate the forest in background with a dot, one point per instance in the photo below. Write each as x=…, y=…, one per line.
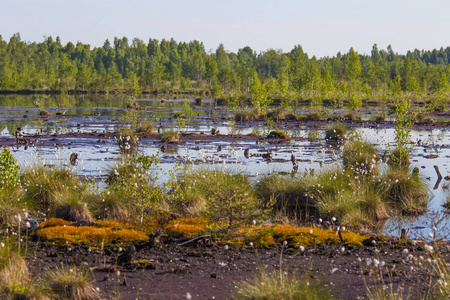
x=168, y=66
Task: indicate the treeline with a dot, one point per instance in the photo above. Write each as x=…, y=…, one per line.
x=167, y=65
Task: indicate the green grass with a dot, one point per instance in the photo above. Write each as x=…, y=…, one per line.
x=217, y=194
x=45, y=187
x=277, y=285
x=360, y=157
x=404, y=191
x=361, y=207
x=74, y=207
x=9, y=206
x=298, y=196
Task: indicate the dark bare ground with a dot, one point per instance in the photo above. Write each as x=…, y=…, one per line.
x=212, y=272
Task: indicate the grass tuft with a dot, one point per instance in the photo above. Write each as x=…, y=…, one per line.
x=70, y=283
x=360, y=157
x=45, y=188
x=404, y=191
x=278, y=285
x=170, y=136
x=336, y=132
x=278, y=134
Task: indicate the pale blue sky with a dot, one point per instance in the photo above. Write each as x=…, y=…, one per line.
x=322, y=27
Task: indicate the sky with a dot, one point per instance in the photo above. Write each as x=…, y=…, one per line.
x=321, y=27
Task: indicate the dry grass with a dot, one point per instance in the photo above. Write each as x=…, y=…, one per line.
x=70, y=283
x=278, y=285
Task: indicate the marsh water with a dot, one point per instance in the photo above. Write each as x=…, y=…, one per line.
x=104, y=113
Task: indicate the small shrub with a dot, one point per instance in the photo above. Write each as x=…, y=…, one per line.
x=298, y=196
x=72, y=283
x=220, y=194
x=276, y=114
x=359, y=208
x=126, y=170
x=399, y=159
x=126, y=138
x=291, y=117
x=44, y=113
x=9, y=170
x=380, y=118
x=133, y=105
x=16, y=281
x=112, y=204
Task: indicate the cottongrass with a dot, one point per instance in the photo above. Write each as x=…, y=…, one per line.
x=11, y=205
x=45, y=187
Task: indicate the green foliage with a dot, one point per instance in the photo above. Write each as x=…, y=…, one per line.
x=46, y=187
x=136, y=67
x=9, y=170
x=259, y=93
x=403, y=127
x=10, y=205
x=136, y=178
x=218, y=195
x=405, y=191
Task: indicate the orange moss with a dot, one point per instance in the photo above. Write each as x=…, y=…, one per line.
x=186, y=227
x=90, y=235
x=54, y=222
x=269, y=236
x=110, y=224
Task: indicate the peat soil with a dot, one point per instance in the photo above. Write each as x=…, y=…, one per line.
x=211, y=271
